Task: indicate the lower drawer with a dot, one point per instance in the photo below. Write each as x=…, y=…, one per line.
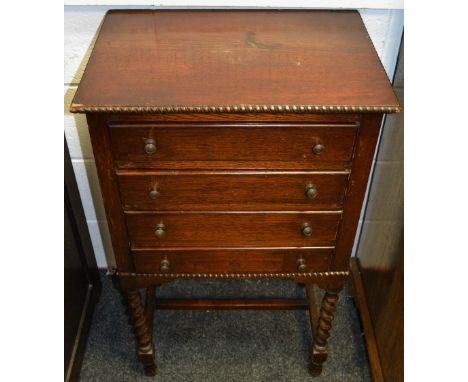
x=232, y=229
x=232, y=260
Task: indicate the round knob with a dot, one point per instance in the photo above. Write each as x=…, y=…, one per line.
x=318, y=149
x=301, y=265
x=306, y=229
x=160, y=230
x=164, y=266
x=311, y=191
x=150, y=146
x=154, y=193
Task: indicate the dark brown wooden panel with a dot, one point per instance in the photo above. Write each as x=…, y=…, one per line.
x=357, y=184
x=153, y=58
x=233, y=103
x=232, y=229
x=366, y=321
x=102, y=149
x=82, y=284
x=224, y=304
x=232, y=260
x=251, y=191
x=379, y=263
x=233, y=117
x=243, y=146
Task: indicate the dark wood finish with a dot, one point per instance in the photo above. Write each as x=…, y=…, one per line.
x=322, y=332
x=323, y=280
x=313, y=311
x=357, y=184
x=391, y=315
x=102, y=149
x=235, y=229
x=216, y=57
x=143, y=332
x=240, y=190
x=379, y=267
x=185, y=260
x=366, y=321
x=380, y=299
x=82, y=284
x=149, y=306
x=334, y=118
x=219, y=304
x=235, y=102
x=237, y=146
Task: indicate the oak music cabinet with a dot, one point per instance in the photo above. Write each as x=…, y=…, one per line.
x=233, y=145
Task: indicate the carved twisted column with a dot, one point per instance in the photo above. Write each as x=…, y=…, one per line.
x=142, y=329
x=322, y=333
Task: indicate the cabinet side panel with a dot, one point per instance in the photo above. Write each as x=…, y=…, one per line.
x=361, y=166
x=102, y=150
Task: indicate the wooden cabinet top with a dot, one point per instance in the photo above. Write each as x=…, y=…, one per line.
x=234, y=61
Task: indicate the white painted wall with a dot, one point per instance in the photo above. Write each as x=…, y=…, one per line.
x=383, y=20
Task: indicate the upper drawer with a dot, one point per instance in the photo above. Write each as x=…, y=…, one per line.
x=235, y=229
x=237, y=146
x=232, y=190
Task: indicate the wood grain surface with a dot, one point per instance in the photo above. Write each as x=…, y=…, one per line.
x=102, y=149
x=232, y=304
x=228, y=260
x=234, y=102
x=360, y=171
x=239, y=190
x=334, y=118
x=235, y=229
x=148, y=58
x=257, y=146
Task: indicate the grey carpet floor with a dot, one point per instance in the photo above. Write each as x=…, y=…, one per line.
x=204, y=346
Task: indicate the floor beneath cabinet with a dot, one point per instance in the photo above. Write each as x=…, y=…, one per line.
x=203, y=346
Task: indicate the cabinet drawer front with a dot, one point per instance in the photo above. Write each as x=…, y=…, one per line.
x=233, y=191
x=231, y=260
x=175, y=146
x=235, y=229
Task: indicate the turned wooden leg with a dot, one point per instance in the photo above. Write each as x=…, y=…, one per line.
x=143, y=331
x=322, y=332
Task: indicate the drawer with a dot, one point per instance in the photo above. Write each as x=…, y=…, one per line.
x=237, y=146
x=234, y=229
x=211, y=191
x=231, y=260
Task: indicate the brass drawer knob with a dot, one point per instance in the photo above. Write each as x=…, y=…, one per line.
x=306, y=229
x=301, y=265
x=311, y=191
x=318, y=149
x=160, y=230
x=165, y=266
x=150, y=146
x=154, y=193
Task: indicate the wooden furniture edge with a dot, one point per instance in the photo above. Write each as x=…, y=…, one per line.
x=103, y=157
x=232, y=304
x=366, y=321
x=363, y=155
x=72, y=202
x=78, y=108
x=91, y=299
x=129, y=281
x=251, y=275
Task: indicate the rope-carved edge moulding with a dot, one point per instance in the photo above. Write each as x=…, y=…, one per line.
x=233, y=275
x=76, y=108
